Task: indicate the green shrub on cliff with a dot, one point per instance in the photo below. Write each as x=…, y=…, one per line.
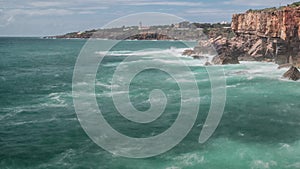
x=295, y=4
x=263, y=10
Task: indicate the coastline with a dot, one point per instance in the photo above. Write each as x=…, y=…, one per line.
x=270, y=35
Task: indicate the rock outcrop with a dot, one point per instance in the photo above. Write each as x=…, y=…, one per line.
x=292, y=74
x=270, y=33
x=260, y=35
x=227, y=53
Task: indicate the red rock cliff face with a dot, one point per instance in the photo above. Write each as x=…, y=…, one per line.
x=278, y=29
x=282, y=23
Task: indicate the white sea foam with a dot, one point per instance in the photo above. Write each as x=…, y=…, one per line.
x=50, y=100
x=285, y=146
x=148, y=52
x=58, y=99
x=105, y=85
x=295, y=165
x=231, y=86
x=173, y=167
x=165, y=56
x=251, y=69
x=31, y=122
x=259, y=164
x=110, y=93
x=190, y=159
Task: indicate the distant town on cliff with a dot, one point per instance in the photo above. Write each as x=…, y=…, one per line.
x=179, y=31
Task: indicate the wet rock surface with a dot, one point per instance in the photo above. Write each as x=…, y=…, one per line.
x=292, y=74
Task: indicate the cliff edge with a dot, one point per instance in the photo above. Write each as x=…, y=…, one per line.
x=274, y=33
x=259, y=35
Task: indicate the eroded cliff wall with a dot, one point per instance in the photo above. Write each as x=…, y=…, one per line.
x=276, y=23
x=276, y=31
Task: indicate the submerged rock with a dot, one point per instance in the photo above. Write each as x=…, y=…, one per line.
x=292, y=74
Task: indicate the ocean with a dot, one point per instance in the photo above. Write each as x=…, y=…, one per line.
x=39, y=127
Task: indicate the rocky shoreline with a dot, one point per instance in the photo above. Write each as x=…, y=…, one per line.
x=270, y=35
x=180, y=31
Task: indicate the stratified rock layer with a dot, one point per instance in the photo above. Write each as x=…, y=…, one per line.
x=270, y=33
x=271, y=23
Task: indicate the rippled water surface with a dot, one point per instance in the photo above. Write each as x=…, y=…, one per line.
x=39, y=127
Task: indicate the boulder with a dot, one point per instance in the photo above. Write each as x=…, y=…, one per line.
x=205, y=47
x=198, y=57
x=188, y=52
x=207, y=64
x=227, y=54
x=292, y=74
x=224, y=59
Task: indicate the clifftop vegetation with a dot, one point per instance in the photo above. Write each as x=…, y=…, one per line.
x=293, y=5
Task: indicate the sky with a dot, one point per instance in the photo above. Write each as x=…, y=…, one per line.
x=53, y=17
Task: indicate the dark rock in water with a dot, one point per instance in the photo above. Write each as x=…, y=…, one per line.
x=227, y=54
x=207, y=64
x=292, y=74
x=198, y=57
x=224, y=59
x=192, y=53
x=188, y=52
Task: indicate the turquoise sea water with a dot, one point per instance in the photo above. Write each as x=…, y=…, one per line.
x=39, y=127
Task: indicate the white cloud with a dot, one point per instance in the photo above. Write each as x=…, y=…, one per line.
x=209, y=11
x=167, y=3
x=8, y=16
x=210, y=14
x=86, y=12
x=40, y=12
x=89, y=8
x=5, y=19
x=134, y=2
x=93, y=3
x=46, y=4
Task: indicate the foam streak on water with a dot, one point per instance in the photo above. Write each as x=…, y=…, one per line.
x=39, y=128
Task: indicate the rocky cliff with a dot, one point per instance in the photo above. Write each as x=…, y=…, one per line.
x=263, y=35
x=270, y=33
x=280, y=23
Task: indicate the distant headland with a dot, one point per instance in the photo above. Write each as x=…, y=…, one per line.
x=180, y=31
